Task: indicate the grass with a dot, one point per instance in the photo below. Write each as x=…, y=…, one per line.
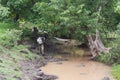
x=10, y=58
x=9, y=61
x=116, y=71
x=5, y=26
x=9, y=64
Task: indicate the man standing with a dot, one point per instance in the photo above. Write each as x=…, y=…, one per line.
x=40, y=41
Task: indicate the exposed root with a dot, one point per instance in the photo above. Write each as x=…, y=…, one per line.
x=96, y=45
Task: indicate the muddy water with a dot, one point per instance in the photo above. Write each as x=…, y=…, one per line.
x=78, y=69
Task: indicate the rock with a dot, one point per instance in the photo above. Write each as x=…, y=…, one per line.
x=82, y=73
x=52, y=77
x=59, y=62
x=39, y=69
x=43, y=64
x=106, y=78
x=24, y=51
x=40, y=63
x=65, y=59
x=81, y=65
x=45, y=77
x=39, y=78
x=49, y=77
x=40, y=73
x=17, y=78
x=48, y=57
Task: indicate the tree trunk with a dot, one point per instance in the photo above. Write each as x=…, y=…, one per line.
x=96, y=46
x=16, y=17
x=33, y=2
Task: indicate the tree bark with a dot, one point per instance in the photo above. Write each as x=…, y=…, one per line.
x=33, y=2
x=96, y=46
x=16, y=17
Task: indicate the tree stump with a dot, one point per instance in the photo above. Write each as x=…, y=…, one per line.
x=96, y=46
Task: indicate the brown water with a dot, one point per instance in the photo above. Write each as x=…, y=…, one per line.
x=78, y=69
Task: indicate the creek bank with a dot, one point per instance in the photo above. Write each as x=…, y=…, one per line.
x=42, y=63
x=31, y=69
x=17, y=65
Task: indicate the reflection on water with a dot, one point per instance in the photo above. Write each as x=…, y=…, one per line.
x=78, y=69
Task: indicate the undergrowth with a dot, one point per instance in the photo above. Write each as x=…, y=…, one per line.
x=113, y=58
x=9, y=61
x=116, y=71
x=10, y=52
x=4, y=26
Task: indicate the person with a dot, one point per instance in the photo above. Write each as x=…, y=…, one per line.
x=34, y=36
x=40, y=41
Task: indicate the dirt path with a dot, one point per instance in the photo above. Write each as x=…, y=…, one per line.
x=78, y=69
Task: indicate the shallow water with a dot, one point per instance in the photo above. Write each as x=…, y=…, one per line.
x=78, y=69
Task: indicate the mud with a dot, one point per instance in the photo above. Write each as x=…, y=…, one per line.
x=78, y=69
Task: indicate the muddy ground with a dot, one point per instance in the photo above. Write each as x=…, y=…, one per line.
x=32, y=69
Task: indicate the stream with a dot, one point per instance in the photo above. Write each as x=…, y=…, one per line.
x=77, y=68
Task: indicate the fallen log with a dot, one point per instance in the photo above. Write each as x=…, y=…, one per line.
x=67, y=41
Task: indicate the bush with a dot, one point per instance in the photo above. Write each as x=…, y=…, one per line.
x=10, y=37
x=116, y=71
x=4, y=26
x=114, y=55
x=26, y=32
x=110, y=58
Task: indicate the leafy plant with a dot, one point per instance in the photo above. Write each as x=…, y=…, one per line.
x=114, y=55
x=116, y=71
x=4, y=12
x=10, y=37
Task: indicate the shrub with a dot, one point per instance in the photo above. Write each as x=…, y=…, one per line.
x=110, y=58
x=10, y=37
x=114, y=55
x=116, y=71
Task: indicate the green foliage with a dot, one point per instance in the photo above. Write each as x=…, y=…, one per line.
x=8, y=64
x=59, y=21
x=110, y=58
x=66, y=18
x=10, y=38
x=4, y=26
x=17, y=4
x=18, y=9
x=9, y=34
x=4, y=12
x=114, y=55
x=116, y=71
x=28, y=56
x=106, y=58
x=62, y=18
x=75, y=19
x=117, y=8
